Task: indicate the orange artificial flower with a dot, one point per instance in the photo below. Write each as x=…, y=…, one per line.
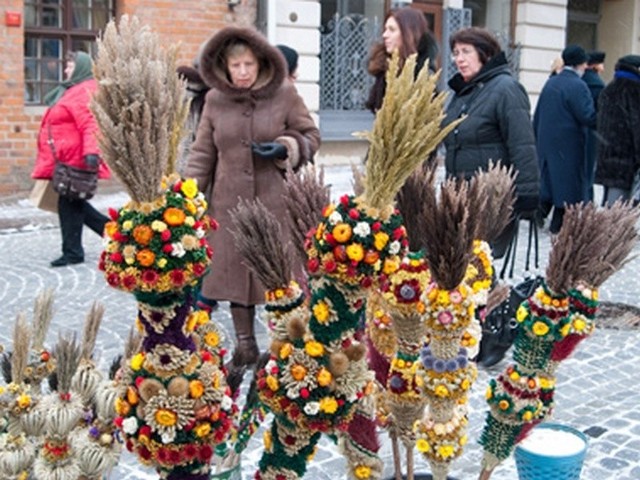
x=173, y=216
x=143, y=234
x=145, y=257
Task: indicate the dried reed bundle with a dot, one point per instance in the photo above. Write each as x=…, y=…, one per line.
x=91, y=327
x=259, y=238
x=42, y=315
x=67, y=355
x=132, y=344
x=414, y=200
x=450, y=228
x=306, y=195
x=139, y=106
x=603, y=239
x=406, y=129
x=499, y=195
x=20, y=355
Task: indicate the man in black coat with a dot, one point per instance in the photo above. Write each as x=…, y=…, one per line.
x=564, y=112
x=619, y=130
x=595, y=67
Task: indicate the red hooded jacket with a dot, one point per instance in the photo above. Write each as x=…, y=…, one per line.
x=72, y=127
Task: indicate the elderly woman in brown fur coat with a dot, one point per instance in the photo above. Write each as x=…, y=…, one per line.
x=253, y=126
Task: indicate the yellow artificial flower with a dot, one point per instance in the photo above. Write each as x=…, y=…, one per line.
x=285, y=351
x=329, y=405
x=521, y=314
x=540, y=328
x=122, y=407
x=355, y=252
x=463, y=440
x=391, y=265
x=212, y=339
x=515, y=376
x=196, y=388
x=423, y=446
x=441, y=391
x=24, y=401
x=324, y=377
x=132, y=395
x=566, y=328
x=579, y=324
x=313, y=348
x=202, y=429
x=380, y=240
x=137, y=360
x=321, y=311
x=272, y=383
x=527, y=416
x=166, y=418
x=362, y=472
x=189, y=221
x=298, y=372
x=189, y=188
x=443, y=297
x=191, y=323
x=446, y=451
x=127, y=225
x=158, y=226
x=201, y=316
x=504, y=404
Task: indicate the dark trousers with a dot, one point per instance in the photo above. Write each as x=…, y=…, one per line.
x=73, y=214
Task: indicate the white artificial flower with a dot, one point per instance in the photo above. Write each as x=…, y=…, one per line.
x=362, y=229
x=177, y=250
x=168, y=436
x=200, y=232
x=394, y=248
x=130, y=425
x=312, y=408
x=226, y=403
x=335, y=218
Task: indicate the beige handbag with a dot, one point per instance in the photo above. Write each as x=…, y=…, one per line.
x=43, y=196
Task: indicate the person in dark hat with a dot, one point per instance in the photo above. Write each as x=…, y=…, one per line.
x=595, y=67
x=618, y=125
x=291, y=56
x=564, y=112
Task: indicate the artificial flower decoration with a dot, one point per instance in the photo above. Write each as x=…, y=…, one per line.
x=159, y=246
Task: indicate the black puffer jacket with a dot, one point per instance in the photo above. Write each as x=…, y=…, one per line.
x=619, y=131
x=498, y=127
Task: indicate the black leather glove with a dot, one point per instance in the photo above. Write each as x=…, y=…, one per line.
x=526, y=206
x=91, y=160
x=269, y=150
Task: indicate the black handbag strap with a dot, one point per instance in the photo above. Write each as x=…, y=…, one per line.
x=510, y=256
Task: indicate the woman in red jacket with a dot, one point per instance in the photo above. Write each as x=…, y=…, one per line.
x=68, y=134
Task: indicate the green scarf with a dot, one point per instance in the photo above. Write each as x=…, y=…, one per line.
x=81, y=72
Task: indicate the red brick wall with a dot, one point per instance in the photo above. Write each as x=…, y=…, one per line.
x=189, y=22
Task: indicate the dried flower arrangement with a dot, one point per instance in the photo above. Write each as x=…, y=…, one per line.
x=173, y=404
x=591, y=245
x=64, y=434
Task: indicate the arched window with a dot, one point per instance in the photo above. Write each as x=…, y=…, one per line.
x=52, y=28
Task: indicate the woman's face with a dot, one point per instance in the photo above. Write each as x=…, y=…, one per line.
x=243, y=69
x=467, y=60
x=392, y=36
x=68, y=70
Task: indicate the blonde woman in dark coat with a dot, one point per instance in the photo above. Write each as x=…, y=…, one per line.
x=253, y=126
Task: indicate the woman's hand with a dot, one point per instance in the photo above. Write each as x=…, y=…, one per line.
x=269, y=150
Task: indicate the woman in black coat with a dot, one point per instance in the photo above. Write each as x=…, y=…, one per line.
x=405, y=30
x=618, y=128
x=498, y=124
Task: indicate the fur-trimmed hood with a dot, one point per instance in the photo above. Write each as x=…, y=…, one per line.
x=213, y=68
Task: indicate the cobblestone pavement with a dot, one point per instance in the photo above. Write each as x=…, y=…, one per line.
x=599, y=386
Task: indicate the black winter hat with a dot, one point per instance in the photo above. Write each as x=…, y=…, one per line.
x=574, y=55
x=596, y=57
x=291, y=56
x=632, y=61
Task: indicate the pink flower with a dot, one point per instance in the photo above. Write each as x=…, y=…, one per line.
x=445, y=318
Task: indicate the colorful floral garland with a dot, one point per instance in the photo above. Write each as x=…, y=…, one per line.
x=159, y=247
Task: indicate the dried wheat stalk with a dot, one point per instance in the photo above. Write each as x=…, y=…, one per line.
x=258, y=236
x=406, y=129
x=20, y=355
x=91, y=327
x=499, y=194
x=67, y=355
x=139, y=106
x=42, y=315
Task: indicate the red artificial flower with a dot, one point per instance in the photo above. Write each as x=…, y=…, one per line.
x=329, y=238
x=198, y=269
x=129, y=282
x=313, y=264
x=205, y=453
x=340, y=253
x=177, y=277
x=113, y=279
x=189, y=451
x=165, y=235
x=398, y=233
x=116, y=257
x=354, y=214
x=113, y=214
x=167, y=248
x=213, y=223
x=366, y=282
x=120, y=237
x=129, y=445
x=150, y=277
x=144, y=453
x=177, y=186
x=206, y=356
x=145, y=430
x=304, y=393
x=175, y=457
x=376, y=227
x=330, y=266
x=118, y=422
x=344, y=200
x=162, y=455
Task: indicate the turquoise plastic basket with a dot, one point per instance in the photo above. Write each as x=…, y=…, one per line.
x=532, y=466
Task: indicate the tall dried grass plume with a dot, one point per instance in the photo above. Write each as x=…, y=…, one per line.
x=139, y=106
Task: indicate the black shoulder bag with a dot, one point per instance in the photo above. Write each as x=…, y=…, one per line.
x=72, y=182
